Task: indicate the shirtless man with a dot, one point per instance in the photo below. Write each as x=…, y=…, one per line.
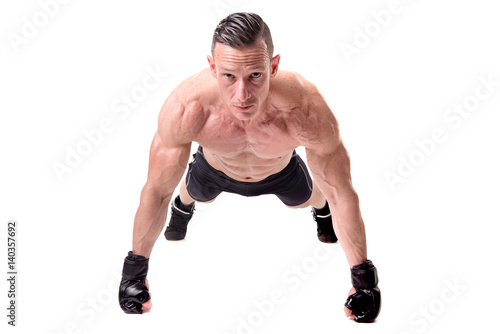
x=248, y=119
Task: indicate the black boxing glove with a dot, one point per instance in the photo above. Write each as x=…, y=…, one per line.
x=365, y=303
x=133, y=290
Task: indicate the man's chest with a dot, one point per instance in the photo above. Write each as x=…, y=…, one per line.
x=267, y=139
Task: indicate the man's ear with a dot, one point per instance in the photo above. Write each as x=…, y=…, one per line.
x=211, y=63
x=274, y=65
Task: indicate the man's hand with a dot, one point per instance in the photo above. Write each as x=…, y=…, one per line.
x=363, y=303
x=146, y=307
x=133, y=295
x=135, y=298
x=349, y=313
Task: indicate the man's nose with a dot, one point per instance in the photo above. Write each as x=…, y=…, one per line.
x=242, y=92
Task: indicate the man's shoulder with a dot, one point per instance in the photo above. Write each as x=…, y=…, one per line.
x=200, y=87
x=186, y=109
x=290, y=90
x=310, y=117
x=292, y=80
x=295, y=89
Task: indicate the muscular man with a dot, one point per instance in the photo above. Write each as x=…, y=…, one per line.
x=248, y=119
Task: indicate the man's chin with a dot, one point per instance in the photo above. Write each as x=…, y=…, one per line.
x=244, y=114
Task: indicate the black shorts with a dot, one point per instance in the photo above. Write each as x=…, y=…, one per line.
x=292, y=185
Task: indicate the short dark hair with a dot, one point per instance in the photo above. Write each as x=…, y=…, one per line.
x=240, y=30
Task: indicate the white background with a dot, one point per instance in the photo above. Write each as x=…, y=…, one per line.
x=438, y=227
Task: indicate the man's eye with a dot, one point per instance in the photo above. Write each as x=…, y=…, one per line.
x=256, y=75
x=228, y=76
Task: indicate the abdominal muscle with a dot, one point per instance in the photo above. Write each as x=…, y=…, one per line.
x=247, y=166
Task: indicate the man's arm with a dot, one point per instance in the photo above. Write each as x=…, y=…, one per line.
x=167, y=163
x=330, y=166
x=168, y=158
x=331, y=171
x=177, y=125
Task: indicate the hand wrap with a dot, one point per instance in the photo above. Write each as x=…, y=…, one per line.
x=365, y=302
x=133, y=290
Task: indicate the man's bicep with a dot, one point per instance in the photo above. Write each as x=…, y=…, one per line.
x=171, y=147
x=327, y=156
x=167, y=163
x=330, y=164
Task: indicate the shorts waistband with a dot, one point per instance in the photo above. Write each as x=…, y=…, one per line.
x=271, y=177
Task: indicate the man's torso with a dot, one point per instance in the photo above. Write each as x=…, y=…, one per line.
x=249, y=152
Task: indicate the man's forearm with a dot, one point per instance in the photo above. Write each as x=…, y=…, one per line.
x=349, y=227
x=149, y=221
x=332, y=175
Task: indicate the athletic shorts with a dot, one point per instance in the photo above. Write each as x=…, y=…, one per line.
x=292, y=185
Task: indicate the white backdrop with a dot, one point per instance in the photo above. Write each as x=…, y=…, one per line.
x=415, y=86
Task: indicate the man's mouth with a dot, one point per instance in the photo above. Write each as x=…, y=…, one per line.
x=243, y=108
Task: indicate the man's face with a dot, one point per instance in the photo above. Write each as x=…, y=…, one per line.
x=243, y=77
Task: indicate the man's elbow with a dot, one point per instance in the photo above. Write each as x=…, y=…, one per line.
x=152, y=191
x=344, y=196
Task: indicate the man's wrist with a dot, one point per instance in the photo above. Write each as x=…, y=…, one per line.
x=135, y=267
x=364, y=276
